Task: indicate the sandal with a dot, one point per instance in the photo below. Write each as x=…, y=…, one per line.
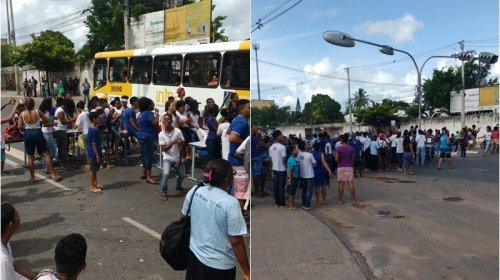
x=98, y=191
x=101, y=187
x=163, y=197
x=56, y=179
x=152, y=182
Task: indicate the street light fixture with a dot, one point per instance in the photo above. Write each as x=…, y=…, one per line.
x=345, y=40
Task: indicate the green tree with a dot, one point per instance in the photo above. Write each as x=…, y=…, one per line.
x=50, y=51
x=217, y=32
x=105, y=23
x=7, y=55
x=322, y=109
x=360, y=100
x=436, y=96
x=437, y=90
x=379, y=115
x=271, y=117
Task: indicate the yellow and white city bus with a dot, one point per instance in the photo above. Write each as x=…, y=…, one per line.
x=204, y=71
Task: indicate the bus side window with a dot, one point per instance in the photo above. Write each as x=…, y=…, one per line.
x=167, y=70
x=197, y=68
x=235, y=70
x=118, y=70
x=140, y=69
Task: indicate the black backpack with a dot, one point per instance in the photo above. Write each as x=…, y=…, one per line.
x=174, y=242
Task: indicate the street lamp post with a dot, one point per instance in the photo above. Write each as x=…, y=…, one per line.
x=344, y=40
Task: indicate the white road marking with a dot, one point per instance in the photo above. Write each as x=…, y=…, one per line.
x=15, y=153
x=142, y=227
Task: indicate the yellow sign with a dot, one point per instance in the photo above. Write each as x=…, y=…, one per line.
x=488, y=96
x=188, y=22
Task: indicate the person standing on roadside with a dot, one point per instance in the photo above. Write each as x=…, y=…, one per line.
x=94, y=152
x=147, y=121
x=444, y=149
x=171, y=141
x=487, y=137
x=31, y=120
x=293, y=175
x=217, y=227
x=238, y=131
x=277, y=154
x=344, y=157
x=86, y=91
x=420, y=140
x=306, y=167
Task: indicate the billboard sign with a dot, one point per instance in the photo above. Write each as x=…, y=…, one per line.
x=188, y=23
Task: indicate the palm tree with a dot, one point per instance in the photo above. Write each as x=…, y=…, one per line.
x=360, y=99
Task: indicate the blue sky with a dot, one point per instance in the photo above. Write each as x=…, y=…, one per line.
x=423, y=28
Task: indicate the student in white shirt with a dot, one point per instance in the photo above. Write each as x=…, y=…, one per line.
x=306, y=163
x=420, y=141
x=8, y=268
x=171, y=141
x=277, y=154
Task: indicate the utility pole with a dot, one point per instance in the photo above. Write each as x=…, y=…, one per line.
x=13, y=41
x=256, y=47
x=126, y=25
x=349, y=98
x=462, y=115
x=8, y=22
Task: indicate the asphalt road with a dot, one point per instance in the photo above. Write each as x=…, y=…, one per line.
x=118, y=248
x=425, y=236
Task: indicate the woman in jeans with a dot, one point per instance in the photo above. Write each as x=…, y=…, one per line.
x=217, y=227
x=147, y=136
x=48, y=129
x=31, y=121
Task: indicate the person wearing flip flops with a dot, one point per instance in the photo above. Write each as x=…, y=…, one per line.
x=31, y=120
x=444, y=149
x=172, y=145
x=94, y=153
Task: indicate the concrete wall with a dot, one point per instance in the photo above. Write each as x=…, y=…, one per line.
x=451, y=123
x=81, y=71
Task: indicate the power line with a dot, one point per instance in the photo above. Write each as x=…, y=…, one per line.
x=326, y=76
x=260, y=24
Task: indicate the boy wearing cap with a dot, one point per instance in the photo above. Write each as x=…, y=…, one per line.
x=277, y=154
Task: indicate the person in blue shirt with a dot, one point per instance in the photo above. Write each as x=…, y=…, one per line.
x=358, y=154
x=147, y=136
x=212, y=141
x=293, y=175
x=260, y=157
x=94, y=153
x=217, y=227
x=238, y=131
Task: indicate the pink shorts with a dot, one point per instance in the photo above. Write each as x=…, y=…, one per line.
x=240, y=182
x=345, y=174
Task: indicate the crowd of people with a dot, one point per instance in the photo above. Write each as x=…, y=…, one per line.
x=107, y=131
x=310, y=163
x=54, y=87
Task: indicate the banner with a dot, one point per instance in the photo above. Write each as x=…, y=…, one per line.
x=189, y=22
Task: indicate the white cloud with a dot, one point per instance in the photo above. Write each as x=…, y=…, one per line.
x=411, y=79
x=237, y=23
x=447, y=62
x=323, y=67
x=383, y=77
x=400, y=30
